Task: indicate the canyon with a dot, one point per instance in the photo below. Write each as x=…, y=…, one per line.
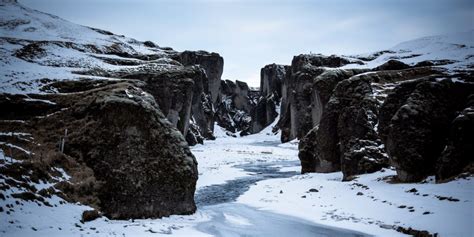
x=118, y=129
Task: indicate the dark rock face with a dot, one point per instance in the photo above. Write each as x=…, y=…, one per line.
x=212, y=63
x=21, y=107
x=299, y=103
x=419, y=123
x=185, y=94
x=417, y=120
x=395, y=99
x=346, y=138
x=319, y=60
x=306, y=147
x=295, y=117
x=139, y=164
x=346, y=131
x=458, y=155
x=174, y=91
x=323, y=88
x=206, y=93
x=182, y=92
x=392, y=65
x=271, y=77
x=234, y=111
x=265, y=112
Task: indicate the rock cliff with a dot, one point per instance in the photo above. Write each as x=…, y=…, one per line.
x=111, y=111
x=125, y=157
x=357, y=117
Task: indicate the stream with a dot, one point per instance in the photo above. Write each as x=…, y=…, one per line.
x=234, y=219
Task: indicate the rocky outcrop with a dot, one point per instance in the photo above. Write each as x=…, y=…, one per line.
x=323, y=87
x=212, y=63
x=306, y=147
x=265, y=112
x=355, y=121
x=205, y=94
x=182, y=92
x=346, y=130
x=249, y=111
x=183, y=96
x=418, y=117
x=271, y=77
x=173, y=90
x=237, y=103
x=346, y=136
x=124, y=156
x=299, y=104
x=393, y=65
x=458, y=155
x=185, y=84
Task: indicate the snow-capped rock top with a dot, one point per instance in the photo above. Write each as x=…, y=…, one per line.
x=451, y=51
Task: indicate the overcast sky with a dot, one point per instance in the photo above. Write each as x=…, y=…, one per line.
x=251, y=34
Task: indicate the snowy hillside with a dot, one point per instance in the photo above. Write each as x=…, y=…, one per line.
x=453, y=51
x=61, y=49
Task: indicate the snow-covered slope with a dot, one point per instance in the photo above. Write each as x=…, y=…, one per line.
x=36, y=45
x=453, y=51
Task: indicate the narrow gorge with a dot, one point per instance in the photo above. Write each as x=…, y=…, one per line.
x=99, y=132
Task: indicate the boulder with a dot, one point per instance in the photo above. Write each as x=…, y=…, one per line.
x=306, y=147
x=458, y=155
x=346, y=133
x=417, y=124
x=129, y=160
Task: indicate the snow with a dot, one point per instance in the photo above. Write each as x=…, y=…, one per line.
x=379, y=207
x=236, y=219
x=335, y=204
x=16, y=147
x=217, y=159
x=66, y=48
x=29, y=218
x=458, y=47
x=25, y=23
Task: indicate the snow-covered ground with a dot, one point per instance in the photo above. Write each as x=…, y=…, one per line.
x=369, y=204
